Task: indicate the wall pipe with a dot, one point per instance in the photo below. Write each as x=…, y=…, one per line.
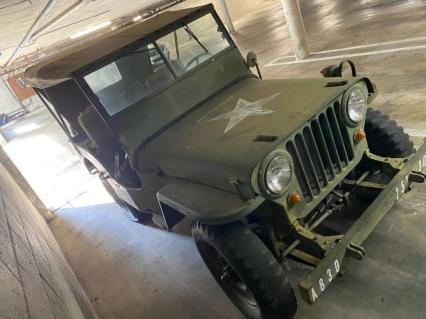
x=49, y=6
x=57, y=19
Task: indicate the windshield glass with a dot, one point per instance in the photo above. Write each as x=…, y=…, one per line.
x=193, y=44
x=132, y=77
x=129, y=79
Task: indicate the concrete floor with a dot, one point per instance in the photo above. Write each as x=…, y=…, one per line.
x=136, y=271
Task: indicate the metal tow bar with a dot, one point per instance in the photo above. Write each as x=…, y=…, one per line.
x=350, y=244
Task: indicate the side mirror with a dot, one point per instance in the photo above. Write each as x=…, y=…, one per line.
x=251, y=59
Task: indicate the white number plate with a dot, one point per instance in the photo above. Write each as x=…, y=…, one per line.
x=401, y=188
x=324, y=281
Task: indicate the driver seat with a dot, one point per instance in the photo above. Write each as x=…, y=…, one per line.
x=100, y=134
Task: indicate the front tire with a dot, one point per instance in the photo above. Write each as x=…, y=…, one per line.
x=246, y=270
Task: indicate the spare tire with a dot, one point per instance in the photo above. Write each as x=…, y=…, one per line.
x=385, y=137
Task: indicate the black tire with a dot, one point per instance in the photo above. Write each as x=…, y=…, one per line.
x=136, y=215
x=246, y=270
x=385, y=137
x=130, y=212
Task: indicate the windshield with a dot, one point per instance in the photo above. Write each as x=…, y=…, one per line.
x=134, y=76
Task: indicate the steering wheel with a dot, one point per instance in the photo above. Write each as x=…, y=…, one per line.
x=197, y=59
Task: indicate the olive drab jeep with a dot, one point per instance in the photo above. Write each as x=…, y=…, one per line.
x=171, y=117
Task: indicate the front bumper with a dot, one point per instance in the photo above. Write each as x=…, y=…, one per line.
x=312, y=286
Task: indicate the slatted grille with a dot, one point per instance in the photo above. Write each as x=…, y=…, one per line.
x=320, y=151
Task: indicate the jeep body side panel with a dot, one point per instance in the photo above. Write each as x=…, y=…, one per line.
x=205, y=204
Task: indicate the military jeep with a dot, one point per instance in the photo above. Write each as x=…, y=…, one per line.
x=171, y=117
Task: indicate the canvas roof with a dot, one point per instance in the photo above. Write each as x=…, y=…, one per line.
x=60, y=67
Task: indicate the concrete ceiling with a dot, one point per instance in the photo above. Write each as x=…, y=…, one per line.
x=17, y=16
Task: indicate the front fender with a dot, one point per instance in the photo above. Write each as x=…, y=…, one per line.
x=202, y=203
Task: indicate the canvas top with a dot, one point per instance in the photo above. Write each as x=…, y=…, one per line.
x=60, y=67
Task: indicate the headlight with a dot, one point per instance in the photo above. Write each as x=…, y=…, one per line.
x=355, y=107
x=278, y=174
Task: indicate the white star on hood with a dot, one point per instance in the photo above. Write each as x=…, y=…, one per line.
x=245, y=109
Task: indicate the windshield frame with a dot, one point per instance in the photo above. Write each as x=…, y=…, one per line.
x=150, y=39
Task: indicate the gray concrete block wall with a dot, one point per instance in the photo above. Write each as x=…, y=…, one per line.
x=35, y=279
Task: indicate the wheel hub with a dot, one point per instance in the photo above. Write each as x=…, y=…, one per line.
x=234, y=282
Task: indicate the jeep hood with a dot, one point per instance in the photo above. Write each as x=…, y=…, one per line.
x=220, y=142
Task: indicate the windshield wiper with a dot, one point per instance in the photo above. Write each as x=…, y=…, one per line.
x=192, y=34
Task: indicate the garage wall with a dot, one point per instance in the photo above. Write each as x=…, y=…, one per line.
x=8, y=103
x=35, y=279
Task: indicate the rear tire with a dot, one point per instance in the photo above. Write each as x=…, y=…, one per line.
x=385, y=137
x=246, y=270
x=131, y=213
